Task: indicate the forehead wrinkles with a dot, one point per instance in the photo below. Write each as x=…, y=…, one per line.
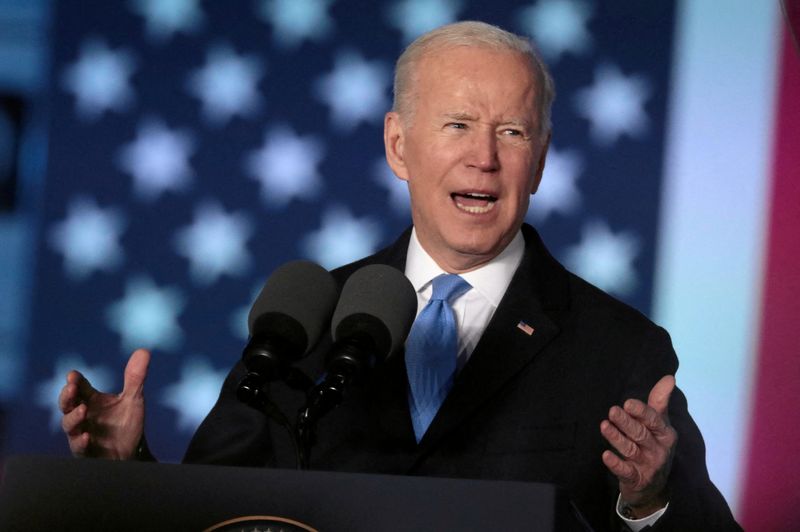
x=502, y=93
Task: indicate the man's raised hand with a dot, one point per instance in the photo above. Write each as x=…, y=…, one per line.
x=645, y=440
x=102, y=424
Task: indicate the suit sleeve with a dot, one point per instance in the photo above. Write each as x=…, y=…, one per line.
x=232, y=433
x=695, y=503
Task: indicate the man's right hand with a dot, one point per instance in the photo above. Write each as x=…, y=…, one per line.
x=102, y=424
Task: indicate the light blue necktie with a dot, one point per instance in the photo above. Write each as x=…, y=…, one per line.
x=431, y=352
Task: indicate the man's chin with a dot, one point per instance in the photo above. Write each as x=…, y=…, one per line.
x=463, y=248
x=480, y=240
x=475, y=253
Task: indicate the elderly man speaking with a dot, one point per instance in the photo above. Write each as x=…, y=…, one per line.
x=547, y=379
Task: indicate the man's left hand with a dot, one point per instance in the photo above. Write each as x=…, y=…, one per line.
x=642, y=435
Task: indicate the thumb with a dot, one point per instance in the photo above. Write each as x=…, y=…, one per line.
x=135, y=372
x=659, y=395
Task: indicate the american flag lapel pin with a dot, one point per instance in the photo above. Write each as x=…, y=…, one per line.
x=524, y=327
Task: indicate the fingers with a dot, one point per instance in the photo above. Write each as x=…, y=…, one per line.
x=76, y=391
x=635, y=424
x=642, y=435
x=136, y=372
x=626, y=446
x=623, y=470
x=79, y=445
x=648, y=416
x=638, y=431
x=641, y=455
x=73, y=426
x=85, y=388
x=72, y=422
x=659, y=395
x=654, y=414
x=99, y=424
x=68, y=398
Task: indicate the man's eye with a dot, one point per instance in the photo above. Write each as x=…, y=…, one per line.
x=513, y=132
x=457, y=125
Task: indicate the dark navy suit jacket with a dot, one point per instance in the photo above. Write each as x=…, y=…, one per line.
x=524, y=407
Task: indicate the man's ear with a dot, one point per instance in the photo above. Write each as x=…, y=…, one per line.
x=537, y=177
x=394, y=143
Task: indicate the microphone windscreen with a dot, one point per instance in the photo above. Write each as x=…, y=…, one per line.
x=377, y=300
x=294, y=306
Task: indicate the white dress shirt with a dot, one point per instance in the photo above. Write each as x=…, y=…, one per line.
x=475, y=307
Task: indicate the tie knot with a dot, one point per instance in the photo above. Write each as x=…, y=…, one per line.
x=448, y=287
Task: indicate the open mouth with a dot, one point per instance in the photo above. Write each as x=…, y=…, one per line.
x=474, y=202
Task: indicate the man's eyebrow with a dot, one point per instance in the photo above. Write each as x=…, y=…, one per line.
x=460, y=116
x=466, y=117
x=516, y=122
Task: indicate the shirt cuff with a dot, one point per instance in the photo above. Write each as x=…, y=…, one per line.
x=637, y=524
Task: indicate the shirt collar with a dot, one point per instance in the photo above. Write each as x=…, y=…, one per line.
x=491, y=280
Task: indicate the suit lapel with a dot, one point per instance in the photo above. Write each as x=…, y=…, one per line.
x=390, y=404
x=537, y=291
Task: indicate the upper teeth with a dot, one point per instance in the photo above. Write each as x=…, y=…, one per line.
x=476, y=195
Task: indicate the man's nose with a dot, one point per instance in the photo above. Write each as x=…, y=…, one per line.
x=483, y=151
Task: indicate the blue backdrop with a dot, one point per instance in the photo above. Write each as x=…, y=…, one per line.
x=194, y=147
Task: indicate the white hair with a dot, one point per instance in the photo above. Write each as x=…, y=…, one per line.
x=476, y=34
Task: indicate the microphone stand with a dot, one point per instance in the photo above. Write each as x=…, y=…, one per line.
x=264, y=365
x=256, y=395
x=350, y=359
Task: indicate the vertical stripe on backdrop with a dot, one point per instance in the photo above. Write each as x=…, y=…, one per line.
x=771, y=489
x=709, y=263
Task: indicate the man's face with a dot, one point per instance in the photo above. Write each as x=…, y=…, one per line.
x=472, y=152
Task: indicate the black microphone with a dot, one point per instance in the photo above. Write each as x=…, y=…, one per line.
x=371, y=321
x=285, y=322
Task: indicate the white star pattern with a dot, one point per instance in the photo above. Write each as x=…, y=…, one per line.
x=215, y=243
x=294, y=21
x=558, y=191
x=605, y=259
x=165, y=17
x=341, y=239
x=614, y=105
x=193, y=396
x=227, y=85
x=415, y=17
x=158, y=160
x=355, y=91
x=147, y=316
x=146, y=184
x=47, y=391
x=88, y=238
x=286, y=166
x=558, y=26
x=396, y=187
x=99, y=79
